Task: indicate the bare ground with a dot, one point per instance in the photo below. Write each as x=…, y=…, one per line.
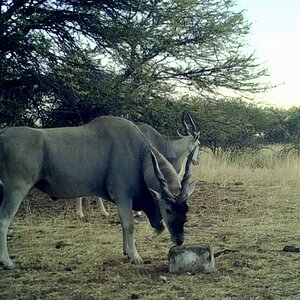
x=58, y=256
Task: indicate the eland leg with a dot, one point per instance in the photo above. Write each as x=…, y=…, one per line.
x=126, y=218
x=12, y=199
x=101, y=206
x=99, y=203
x=79, y=211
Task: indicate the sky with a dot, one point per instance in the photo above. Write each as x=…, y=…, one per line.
x=275, y=37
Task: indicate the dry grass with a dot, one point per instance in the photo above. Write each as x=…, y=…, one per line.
x=247, y=208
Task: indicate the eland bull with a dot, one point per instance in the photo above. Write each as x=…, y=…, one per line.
x=174, y=148
x=89, y=160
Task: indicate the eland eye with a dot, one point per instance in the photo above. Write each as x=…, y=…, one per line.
x=168, y=211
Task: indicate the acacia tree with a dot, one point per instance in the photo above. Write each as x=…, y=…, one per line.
x=39, y=41
x=70, y=60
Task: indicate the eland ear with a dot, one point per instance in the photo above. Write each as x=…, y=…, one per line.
x=197, y=135
x=155, y=194
x=187, y=190
x=162, y=202
x=192, y=187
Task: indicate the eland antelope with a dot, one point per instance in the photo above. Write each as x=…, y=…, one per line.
x=89, y=160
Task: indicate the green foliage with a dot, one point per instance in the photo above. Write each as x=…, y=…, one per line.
x=65, y=62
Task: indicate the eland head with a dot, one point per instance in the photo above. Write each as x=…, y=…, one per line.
x=193, y=135
x=173, y=207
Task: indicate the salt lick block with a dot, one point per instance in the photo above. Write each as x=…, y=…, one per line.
x=192, y=259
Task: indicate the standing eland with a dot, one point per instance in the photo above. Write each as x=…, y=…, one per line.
x=88, y=160
x=174, y=148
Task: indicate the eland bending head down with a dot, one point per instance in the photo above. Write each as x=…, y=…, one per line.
x=173, y=206
x=88, y=160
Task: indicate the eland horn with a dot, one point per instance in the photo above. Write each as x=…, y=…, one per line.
x=186, y=177
x=192, y=122
x=159, y=175
x=186, y=127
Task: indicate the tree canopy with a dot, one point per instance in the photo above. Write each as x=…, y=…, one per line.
x=65, y=62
